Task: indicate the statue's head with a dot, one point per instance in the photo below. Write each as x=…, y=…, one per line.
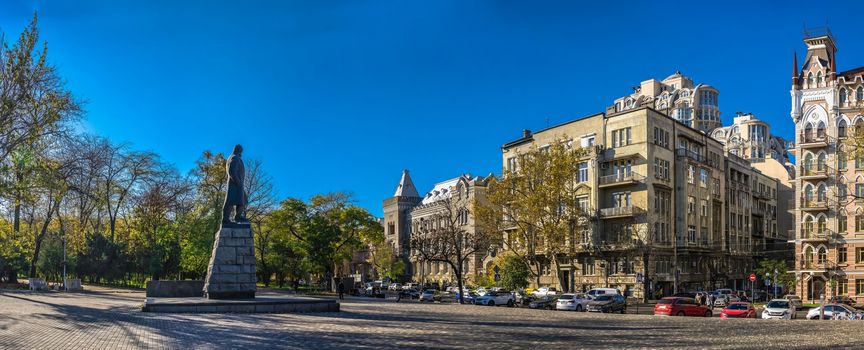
x=238, y=150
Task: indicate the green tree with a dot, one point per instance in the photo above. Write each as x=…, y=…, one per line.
x=767, y=267
x=386, y=262
x=514, y=273
x=534, y=207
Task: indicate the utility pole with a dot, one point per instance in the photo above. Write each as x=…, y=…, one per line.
x=65, y=285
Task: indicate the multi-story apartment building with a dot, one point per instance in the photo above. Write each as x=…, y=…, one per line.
x=693, y=105
x=669, y=210
x=829, y=232
x=751, y=139
x=406, y=212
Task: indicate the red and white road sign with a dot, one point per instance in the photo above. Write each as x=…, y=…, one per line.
x=752, y=277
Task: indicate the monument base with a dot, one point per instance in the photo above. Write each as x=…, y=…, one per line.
x=231, y=272
x=265, y=304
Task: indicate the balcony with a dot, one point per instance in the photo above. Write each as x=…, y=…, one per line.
x=627, y=178
x=815, y=234
x=813, y=139
x=813, y=204
x=619, y=212
x=757, y=211
x=818, y=172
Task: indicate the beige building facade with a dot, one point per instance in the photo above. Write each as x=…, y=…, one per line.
x=694, y=105
x=828, y=109
x=669, y=210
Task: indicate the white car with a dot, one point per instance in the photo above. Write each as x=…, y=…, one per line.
x=395, y=286
x=831, y=310
x=481, y=291
x=778, y=309
x=601, y=291
x=573, y=302
x=496, y=298
x=544, y=291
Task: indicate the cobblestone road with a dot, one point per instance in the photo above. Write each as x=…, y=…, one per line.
x=106, y=320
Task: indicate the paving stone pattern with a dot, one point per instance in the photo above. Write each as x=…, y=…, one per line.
x=107, y=320
x=231, y=272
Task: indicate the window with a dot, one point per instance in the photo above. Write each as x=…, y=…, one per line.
x=691, y=174
x=621, y=137
x=842, y=287
x=841, y=255
x=859, y=190
x=663, y=266
x=841, y=223
x=859, y=287
x=842, y=96
x=621, y=199
x=588, y=266
x=859, y=253
x=588, y=141
x=859, y=94
x=622, y=167
x=691, y=234
x=859, y=223
x=841, y=160
x=703, y=178
x=822, y=256
x=511, y=164
x=809, y=80
x=583, y=172
x=582, y=203
x=691, y=204
x=661, y=137
x=704, y=208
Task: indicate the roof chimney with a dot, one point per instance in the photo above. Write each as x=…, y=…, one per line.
x=526, y=133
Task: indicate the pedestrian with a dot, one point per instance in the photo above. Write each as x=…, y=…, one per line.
x=711, y=300
x=341, y=288
x=699, y=298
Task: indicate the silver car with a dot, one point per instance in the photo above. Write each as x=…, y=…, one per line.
x=778, y=309
x=573, y=302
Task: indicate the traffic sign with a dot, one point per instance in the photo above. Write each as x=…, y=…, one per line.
x=752, y=277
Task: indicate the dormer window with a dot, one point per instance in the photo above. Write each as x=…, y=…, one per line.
x=819, y=79
x=842, y=96
x=810, y=79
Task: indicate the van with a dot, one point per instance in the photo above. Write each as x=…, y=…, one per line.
x=601, y=291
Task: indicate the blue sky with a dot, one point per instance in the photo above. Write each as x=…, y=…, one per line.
x=343, y=95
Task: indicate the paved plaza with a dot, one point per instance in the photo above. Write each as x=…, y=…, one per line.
x=113, y=320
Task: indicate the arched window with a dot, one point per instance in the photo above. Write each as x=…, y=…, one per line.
x=822, y=256
x=808, y=133
x=822, y=162
x=841, y=222
x=808, y=194
x=808, y=226
x=819, y=79
x=808, y=256
x=809, y=80
x=808, y=163
x=842, y=191
x=841, y=160
x=859, y=94
x=821, y=225
x=842, y=96
x=821, y=194
x=841, y=128
x=820, y=130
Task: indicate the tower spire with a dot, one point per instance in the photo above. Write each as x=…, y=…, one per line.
x=794, y=67
x=406, y=187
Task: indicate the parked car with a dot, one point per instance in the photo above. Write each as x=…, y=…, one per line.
x=842, y=299
x=430, y=295
x=795, y=301
x=547, y=302
x=738, y=310
x=481, y=291
x=832, y=310
x=469, y=297
x=496, y=298
x=573, y=302
x=544, y=291
x=678, y=306
x=601, y=291
x=411, y=293
x=690, y=295
x=395, y=286
x=408, y=286
x=607, y=303
x=778, y=309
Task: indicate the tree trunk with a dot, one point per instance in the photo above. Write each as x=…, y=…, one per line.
x=459, y=283
x=16, y=219
x=558, y=274
x=39, y=238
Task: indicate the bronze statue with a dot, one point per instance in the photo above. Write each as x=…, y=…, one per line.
x=236, y=196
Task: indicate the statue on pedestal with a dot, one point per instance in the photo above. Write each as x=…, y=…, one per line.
x=235, y=199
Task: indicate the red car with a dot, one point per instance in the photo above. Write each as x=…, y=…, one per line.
x=738, y=310
x=675, y=306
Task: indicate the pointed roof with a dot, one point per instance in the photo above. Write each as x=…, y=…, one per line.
x=794, y=67
x=406, y=187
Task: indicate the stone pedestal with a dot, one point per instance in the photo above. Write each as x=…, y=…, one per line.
x=231, y=273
